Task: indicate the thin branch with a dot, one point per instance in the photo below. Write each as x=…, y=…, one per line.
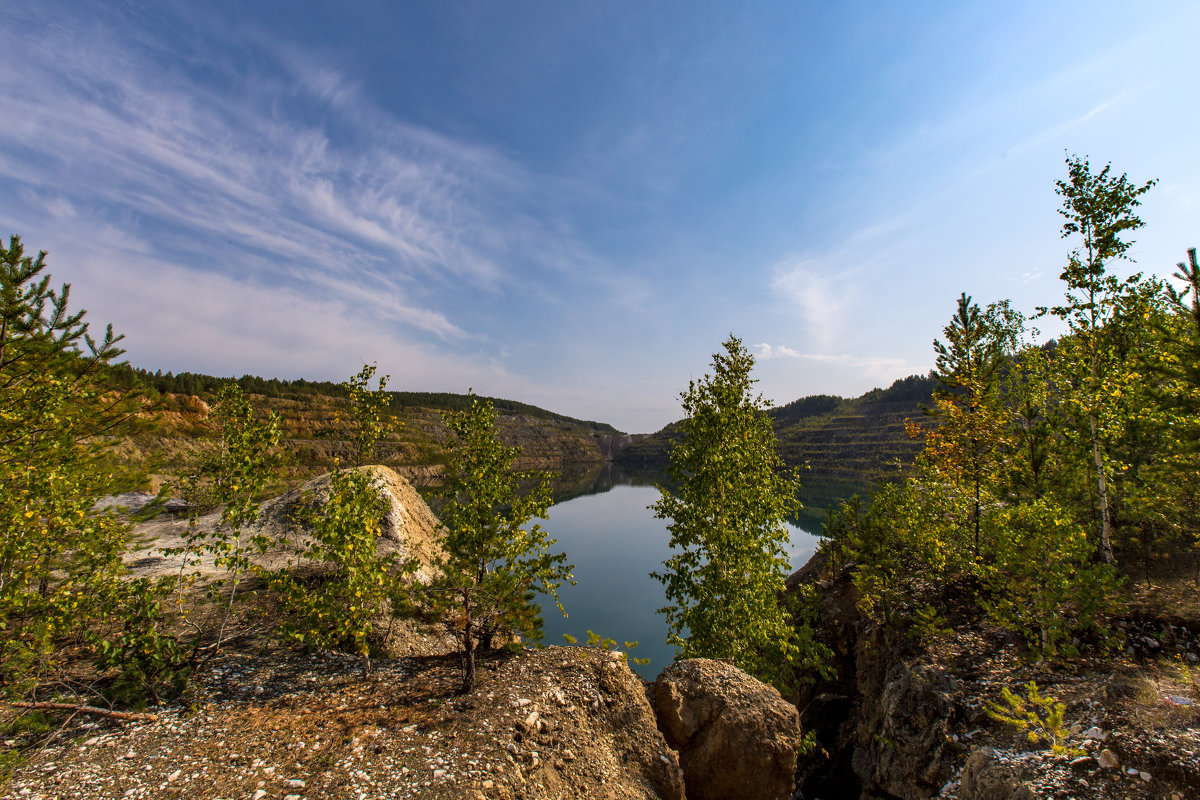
x=93, y=710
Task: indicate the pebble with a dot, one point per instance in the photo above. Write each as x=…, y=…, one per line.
x=1108, y=759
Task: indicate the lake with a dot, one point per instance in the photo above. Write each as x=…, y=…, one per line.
x=615, y=541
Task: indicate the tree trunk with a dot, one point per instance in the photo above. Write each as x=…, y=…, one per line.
x=468, y=654
x=1106, y=548
x=468, y=658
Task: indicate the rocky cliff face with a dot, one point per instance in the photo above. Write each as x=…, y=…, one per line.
x=905, y=717
x=883, y=719
x=316, y=431
x=558, y=723
x=611, y=446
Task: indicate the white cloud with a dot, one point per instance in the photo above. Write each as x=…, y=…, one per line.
x=873, y=367
x=378, y=223
x=767, y=352
x=822, y=296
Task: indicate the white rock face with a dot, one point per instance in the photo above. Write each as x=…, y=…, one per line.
x=409, y=528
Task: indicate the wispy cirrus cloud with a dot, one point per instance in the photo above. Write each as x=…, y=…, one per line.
x=880, y=368
x=232, y=183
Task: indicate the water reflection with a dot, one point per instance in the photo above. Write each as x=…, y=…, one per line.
x=603, y=523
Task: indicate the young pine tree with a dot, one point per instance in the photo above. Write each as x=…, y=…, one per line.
x=979, y=347
x=493, y=561
x=62, y=578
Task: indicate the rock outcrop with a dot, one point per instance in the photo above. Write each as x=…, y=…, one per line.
x=612, y=445
x=558, y=723
x=902, y=737
x=736, y=737
x=883, y=718
x=985, y=778
x=409, y=528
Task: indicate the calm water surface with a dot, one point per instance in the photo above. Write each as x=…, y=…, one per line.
x=615, y=542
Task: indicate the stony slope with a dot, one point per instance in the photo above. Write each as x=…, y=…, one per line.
x=905, y=718
x=263, y=720
x=316, y=431
x=862, y=438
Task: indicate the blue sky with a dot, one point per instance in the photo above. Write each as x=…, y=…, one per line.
x=573, y=204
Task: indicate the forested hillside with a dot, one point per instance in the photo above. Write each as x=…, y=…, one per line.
x=861, y=438
x=316, y=428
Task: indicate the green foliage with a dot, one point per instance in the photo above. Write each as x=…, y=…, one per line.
x=149, y=662
x=984, y=507
x=61, y=566
x=964, y=448
x=368, y=407
x=493, y=562
x=596, y=640
x=1098, y=208
x=1167, y=496
x=1039, y=716
x=928, y=625
x=910, y=541
x=727, y=509
x=233, y=477
x=1044, y=582
x=343, y=582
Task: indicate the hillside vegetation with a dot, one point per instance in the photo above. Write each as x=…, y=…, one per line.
x=317, y=428
x=861, y=438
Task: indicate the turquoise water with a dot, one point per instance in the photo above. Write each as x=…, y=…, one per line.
x=615, y=541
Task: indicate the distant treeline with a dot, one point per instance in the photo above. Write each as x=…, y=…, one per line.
x=854, y=438
x=917, y=389
x=198, y=384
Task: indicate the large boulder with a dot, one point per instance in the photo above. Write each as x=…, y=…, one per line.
x=582, y=726
x=736, y=737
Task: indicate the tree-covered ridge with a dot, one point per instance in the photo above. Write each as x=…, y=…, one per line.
x=192, y=383
x=861, y=438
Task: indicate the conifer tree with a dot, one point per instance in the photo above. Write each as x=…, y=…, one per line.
x=493, y=562
x=978, y=348
x=61, y=565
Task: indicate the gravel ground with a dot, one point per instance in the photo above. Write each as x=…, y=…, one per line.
x=1135, y=719
x=552, y=723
